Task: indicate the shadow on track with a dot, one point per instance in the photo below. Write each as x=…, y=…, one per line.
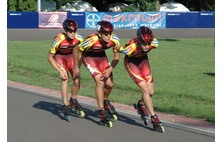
x=56, y=109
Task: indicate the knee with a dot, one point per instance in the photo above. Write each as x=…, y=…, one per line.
x=109, y=86
x=76, y=82
x=148, y=90
x=65, y=80
x=151, y=92
x=100, y=83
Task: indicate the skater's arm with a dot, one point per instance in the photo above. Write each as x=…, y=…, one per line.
x=114, y=62
x=76, y=58
x=57, y=67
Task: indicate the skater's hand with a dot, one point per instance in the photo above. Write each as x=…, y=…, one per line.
x=154, y=43
x=63, y=75
x=107, y=72
x=62, y=72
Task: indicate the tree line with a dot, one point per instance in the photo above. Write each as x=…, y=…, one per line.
x=102, y=5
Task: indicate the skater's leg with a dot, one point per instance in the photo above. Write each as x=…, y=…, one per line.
x=146, y=99
x=108, y=106
x=99, y=90
x=75, y=87
x=64, y=91
x=108, y=87
x=107, y=90
x=74, y=92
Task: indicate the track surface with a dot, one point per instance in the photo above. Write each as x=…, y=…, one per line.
x=48, y=34
x=37, y=117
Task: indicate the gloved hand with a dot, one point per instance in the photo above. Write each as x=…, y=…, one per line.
x=154, y=43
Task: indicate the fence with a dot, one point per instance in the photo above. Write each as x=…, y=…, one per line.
x=120, y=20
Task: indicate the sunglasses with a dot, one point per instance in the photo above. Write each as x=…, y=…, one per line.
x=71, y=31
x=145, y=44
x=106, y=33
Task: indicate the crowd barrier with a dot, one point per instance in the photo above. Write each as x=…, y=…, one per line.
x=120, y=20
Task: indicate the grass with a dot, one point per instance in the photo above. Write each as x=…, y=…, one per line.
x=183, y=70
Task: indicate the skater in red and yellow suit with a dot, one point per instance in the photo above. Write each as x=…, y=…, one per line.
x=95, y=59
x=60, y=56
x=137, y=65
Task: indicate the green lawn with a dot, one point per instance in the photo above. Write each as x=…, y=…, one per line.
x=183, y=70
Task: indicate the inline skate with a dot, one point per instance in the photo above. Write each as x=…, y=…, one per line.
x=141, y=110
x=157, y=125
x=111, y=110
x=76, y=107
x=66, y=112
x=104, y=120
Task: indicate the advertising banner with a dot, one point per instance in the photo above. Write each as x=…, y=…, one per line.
x=182, y=20
x=133, y=20
x=206, y=20
x=51, y=19
x=79, y=17
x=22, y=19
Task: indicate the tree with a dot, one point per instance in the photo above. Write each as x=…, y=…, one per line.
x=11, y=5
x=135, y=5
x=22, y=5
x=141, y=5
x=195, y=5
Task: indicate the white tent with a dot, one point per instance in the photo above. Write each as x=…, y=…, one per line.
x=173, y=7
x=79, y=6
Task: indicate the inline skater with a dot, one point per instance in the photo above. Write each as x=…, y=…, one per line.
x=95, y=59
x=60, y=56
x=137, y=65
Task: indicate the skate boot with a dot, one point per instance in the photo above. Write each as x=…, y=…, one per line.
x=141, y=110
x=76, y=107
x=157, y=125
x=111, y=110
x=66, y=112
x=104, y=120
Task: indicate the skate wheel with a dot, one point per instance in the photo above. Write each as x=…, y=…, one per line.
x=82, y=114
x=110, y=124
x=162, y=129
x=159, y=129
x=115, y=118
x=107, y=124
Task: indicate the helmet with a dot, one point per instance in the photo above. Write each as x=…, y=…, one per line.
x=144, y=34
x=70, y=25
x=104, y=26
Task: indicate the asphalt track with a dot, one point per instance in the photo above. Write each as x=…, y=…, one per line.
x=34, y=113
x=48, y=34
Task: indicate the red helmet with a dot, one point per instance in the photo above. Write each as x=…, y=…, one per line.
x=145, y=35
x=104, y=26
x=70, y=25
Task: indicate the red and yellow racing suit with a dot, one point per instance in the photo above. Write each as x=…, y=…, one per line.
x=136, y=62
x=93, y=53
x=62, y=47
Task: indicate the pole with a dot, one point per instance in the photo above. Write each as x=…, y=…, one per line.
x=39, y=5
